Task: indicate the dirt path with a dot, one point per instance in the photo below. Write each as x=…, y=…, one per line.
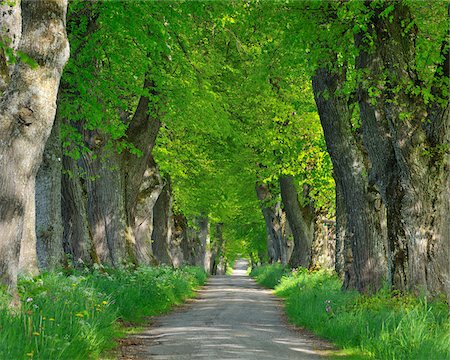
x=232, y=318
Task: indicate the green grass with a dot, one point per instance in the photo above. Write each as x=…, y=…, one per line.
x=269, y=275
x=382, y=326
x=76, y=316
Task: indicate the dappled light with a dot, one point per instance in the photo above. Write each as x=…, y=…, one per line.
x=301, y=144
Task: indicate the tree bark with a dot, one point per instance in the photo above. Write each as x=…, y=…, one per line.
x=161, y=234
x=273, y=241
x=77, y=238
x=368, y=268
x=217, y=254
x=143, y=183
x=404, y=138
x=49, y=227
x=323, y=253
x=27, y=111
x=301, y=221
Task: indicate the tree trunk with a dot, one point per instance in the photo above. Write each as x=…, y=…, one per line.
x=143, y=183
x=301, y=221
x=142, y=214
x=161, y=234
x=404, y=138
x=368, y=269
x=323, y=254
x=27, y=111
x=273, y=241
x=341, y=225
x=49, y=226
x=205, y=240
x=217, y=253
x=105, y=201
x=77, y=238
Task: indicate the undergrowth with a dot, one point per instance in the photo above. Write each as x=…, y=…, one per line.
x=77, y=316
x=385, y=325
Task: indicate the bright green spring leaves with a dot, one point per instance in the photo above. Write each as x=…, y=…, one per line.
x=230, y=89
x=250, y=117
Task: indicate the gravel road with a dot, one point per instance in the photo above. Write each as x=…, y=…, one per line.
x=232, y=318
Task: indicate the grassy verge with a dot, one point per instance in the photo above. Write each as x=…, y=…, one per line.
x=78, y=316
x=385, y=325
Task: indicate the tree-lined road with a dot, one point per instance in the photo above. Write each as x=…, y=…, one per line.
x=231, y=319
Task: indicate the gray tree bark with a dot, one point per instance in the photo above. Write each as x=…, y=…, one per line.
x=161, y=235
x=408, y=167
x=77, y=238
x=27, y=111
x=273, y=241
x=366, y=269
x=49, y=227
x=301, y=221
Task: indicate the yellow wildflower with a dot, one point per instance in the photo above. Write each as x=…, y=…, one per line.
x=80, y=315
x=36, y=333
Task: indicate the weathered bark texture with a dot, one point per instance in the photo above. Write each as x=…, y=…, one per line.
x=27, y=111
x=77, y=239
x=301, y=221
x=205, y=243
x=405, y=139
x=143, y=183
x=367, y=269
x=341, y=226
x=177, y=241
x=182, y=232
x=162, y=225
x=199, y=237
x=49, y=227
x=323, y=250
x=272, y=226
x=114, y=194
x=105, y=201
x=142, y=213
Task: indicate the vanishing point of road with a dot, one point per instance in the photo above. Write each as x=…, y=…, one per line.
x=232, y=318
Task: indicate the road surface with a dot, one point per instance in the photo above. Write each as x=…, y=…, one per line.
x=232, y=318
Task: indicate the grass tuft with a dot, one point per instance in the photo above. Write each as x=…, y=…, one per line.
x=385, y=325
x=75, y=317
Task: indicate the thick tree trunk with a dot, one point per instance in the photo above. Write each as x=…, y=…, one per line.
x=404, y=139
x=217, y=254
x=323, y=253
x=161, y=235
x=182, y=231
x=141, y=220
x=143, y=183
x=49, y=227
x=272, y=227
x=105, y=202
x=27, y=111
x=77, y=239
x=205, y=241
x=178, y=240
x=368, y=269
x=301, y=221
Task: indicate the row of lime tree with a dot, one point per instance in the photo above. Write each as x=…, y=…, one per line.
x=311, y=133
